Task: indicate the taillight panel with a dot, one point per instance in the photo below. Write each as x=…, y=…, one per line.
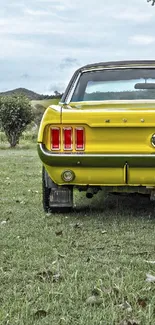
x=67, y=138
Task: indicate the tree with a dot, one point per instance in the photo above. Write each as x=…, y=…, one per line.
x=152, y=2
x=57, y=94
x=15, y=115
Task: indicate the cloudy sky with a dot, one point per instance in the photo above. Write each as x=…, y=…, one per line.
x=42, y=42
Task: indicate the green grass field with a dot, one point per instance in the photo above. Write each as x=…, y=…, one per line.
x=45, y=102
x=50, y=265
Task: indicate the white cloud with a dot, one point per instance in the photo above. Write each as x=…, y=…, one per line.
x=31, y=27
x=136, y=16
x=10, y=48
x=142, y=40
x=49, y=39
x=36, y=12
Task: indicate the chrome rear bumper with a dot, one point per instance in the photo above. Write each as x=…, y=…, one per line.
x=94, y=160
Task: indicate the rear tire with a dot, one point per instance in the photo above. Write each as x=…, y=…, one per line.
x=48, y=188
x=45, y=192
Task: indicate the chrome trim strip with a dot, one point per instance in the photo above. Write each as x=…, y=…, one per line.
x=71, y=91
x=153, y=143
x=79, y=155
x=118, y=68
x=95, y=155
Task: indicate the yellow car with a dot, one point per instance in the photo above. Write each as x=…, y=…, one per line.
x=101, y=134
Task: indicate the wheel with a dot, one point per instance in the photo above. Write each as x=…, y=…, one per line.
x=56, y=199
x=45, y=192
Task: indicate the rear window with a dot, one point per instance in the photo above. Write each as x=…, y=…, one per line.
x=119, y=84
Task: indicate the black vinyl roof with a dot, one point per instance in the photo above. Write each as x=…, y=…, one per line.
x=117, y=63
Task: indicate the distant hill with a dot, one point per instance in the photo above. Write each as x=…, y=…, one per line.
x=29, y=93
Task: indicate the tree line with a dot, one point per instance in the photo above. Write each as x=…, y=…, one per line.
x=120, y=95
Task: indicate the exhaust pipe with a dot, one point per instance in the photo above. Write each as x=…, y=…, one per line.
x=90, y=193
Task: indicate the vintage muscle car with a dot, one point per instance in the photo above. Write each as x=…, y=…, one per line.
x=101, y=134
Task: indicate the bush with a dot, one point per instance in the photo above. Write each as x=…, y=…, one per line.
x=15, y=115
x=29, y=136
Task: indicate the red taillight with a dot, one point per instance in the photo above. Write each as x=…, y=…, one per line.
x=71, y=139
x=55, y=138
x=79, y=139
x=67, y=138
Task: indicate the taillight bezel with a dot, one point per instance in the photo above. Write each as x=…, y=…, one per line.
x=68, y=128
x=82, y=148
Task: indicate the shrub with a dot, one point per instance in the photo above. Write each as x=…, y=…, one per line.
x=15, y=115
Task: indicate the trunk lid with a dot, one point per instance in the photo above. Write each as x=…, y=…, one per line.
x=114, y=126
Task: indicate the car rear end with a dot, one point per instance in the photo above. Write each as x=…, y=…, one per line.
x=102, y=134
